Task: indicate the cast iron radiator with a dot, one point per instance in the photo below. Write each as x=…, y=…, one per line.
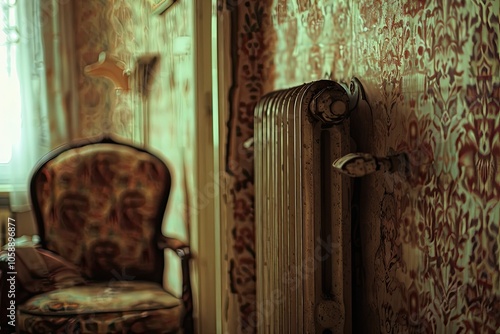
x=303, y=226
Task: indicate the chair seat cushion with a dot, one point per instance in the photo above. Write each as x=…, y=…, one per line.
x=109, y=307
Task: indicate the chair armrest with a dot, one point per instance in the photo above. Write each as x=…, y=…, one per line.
x=184, y=252
x=180, y=248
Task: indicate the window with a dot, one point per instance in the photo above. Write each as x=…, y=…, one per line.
x=10, y=110
x=23, y=102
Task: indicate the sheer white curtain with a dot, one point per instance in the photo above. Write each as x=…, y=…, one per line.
x=32, y=141
x=38, y=84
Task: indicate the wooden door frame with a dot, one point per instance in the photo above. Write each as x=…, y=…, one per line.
x=208, y=241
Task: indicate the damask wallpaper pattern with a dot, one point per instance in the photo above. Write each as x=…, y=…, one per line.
x=429, y=245
x=253, y=40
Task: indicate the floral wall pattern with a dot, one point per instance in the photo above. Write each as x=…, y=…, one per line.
x=253, y=40
x=429, y=245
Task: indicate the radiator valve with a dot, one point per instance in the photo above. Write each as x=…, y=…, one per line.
x=361, y=164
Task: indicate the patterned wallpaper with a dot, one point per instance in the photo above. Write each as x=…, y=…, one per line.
x=428, y=257
x=127, y=30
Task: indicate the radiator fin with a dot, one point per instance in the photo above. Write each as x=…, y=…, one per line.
x=302, y=210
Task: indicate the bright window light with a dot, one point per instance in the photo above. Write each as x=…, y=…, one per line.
x=10, y=105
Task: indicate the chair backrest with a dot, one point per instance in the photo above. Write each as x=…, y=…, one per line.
x=100, y=204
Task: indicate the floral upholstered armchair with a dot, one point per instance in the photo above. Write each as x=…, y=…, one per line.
x=99, y=205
